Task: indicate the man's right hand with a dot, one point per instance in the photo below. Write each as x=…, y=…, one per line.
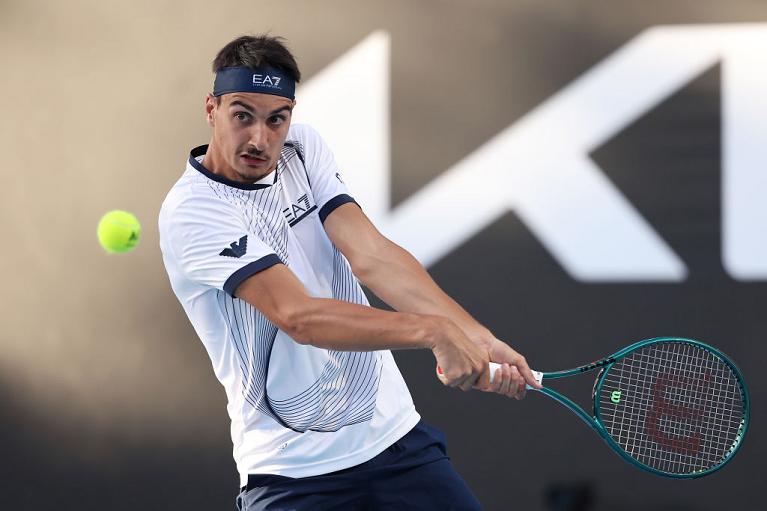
x=460, y=362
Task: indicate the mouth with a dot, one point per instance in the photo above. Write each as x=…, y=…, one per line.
x=253, y=161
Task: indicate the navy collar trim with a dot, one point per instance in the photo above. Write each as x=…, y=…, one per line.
x=201, y=150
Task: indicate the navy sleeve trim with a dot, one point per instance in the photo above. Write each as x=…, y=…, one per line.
x=250, y=269
x=333, y=203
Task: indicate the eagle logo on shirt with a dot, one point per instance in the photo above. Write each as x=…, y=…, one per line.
x=236, y=249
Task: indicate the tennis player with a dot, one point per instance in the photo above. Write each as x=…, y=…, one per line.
x=265, y=249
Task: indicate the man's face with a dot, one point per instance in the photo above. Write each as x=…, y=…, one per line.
x=249, y=130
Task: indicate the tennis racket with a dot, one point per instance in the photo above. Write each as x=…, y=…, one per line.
x=674, y=407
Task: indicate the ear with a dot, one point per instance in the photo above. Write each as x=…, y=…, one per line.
x=292, y=108
x=211, y=103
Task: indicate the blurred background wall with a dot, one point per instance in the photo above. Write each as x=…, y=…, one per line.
x=107, y=397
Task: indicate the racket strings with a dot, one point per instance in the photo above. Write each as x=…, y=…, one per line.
x=673, y=406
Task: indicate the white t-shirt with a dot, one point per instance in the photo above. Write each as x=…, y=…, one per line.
x=296, y=410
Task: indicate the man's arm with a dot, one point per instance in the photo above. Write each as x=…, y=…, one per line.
x=344, y=326
x=397, y=278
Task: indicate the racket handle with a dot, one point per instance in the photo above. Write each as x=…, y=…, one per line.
x=494, y=366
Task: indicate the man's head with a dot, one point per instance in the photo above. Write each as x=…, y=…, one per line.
x=250, y=107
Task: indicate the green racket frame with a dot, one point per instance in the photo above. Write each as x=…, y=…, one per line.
x=593, y=419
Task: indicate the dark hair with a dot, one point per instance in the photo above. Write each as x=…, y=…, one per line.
x=257, y=51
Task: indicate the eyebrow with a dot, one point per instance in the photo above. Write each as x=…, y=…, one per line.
x=250, y=109
x=243, y=105
x=286, y=107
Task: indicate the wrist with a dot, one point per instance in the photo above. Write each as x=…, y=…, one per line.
x=438, y=331
x=482, y=337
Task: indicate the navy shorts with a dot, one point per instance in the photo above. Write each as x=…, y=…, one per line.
x=414, y=473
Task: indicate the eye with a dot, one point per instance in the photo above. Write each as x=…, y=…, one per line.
x=276, y=119
x=242, y=116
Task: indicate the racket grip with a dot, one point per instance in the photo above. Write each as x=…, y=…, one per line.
x=494, y=366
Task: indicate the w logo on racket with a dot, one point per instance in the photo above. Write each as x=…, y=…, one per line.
x=676, y=425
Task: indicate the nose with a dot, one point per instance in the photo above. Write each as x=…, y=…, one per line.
x=258, y=137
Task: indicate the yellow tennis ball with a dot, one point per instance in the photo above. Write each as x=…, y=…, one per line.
x=118, y=231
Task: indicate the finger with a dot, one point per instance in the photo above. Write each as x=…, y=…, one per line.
x=506, y=386
x=462, y=382
x=483, y=379
x=522, y=392
x=497, y=384
x=521, y=388
x=467, y=383
x=527, y=373
x=495, y=381
x=441, y=377
x=516, y=380
x=449, y=381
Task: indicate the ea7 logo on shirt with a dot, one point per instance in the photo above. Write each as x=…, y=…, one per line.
x=298, y=210
x=236, y=249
